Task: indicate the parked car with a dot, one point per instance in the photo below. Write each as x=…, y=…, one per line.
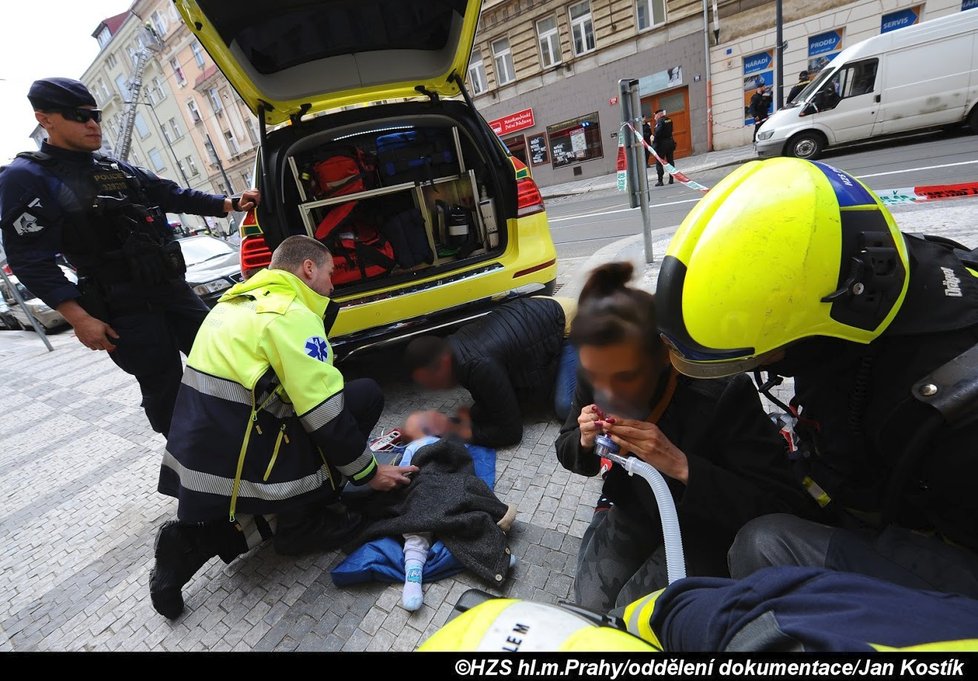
x=213, y=266
x=48, y=318
x=7, y=319
x=430, y=220
x=919, y=77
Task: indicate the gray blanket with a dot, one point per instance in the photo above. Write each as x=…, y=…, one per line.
x=446, y=498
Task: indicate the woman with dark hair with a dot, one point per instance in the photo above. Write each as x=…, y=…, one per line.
x=722, y=457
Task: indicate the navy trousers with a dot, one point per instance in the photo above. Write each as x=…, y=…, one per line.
x=155, y=324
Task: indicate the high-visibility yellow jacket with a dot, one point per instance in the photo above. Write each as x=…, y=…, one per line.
x=259, y=423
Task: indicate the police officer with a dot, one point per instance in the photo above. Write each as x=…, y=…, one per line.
x=108, y=220
x=803, y=81
x=663, y=143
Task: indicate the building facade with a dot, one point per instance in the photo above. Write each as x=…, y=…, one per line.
x=814, y=32
x=545, y=74
x=189, y=125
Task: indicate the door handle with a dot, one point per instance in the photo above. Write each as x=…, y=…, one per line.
x=877, y=98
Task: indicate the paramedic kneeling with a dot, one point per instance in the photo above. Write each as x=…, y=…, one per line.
x=264, y=424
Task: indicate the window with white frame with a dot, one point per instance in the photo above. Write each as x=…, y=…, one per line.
x=177, y=71
x=156, y=85
x=123, y=85
x=111, y=61
x=156, y=159
x=159, y=23
x=175, y=128
x=215, y=99
x=477, y=73
x=133, y=56
x=582, y=27
x=549, y=39
x=141, y=126
x=102, y=90
x=252, y=129
x=198, y=53
x=503, y=59
x=103, y=37
x=650, y=13
x=194, y=111
x=192, y=166
x=231, y=142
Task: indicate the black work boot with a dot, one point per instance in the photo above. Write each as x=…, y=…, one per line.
x=670, y=179
x=313, y=529
x=181, y=549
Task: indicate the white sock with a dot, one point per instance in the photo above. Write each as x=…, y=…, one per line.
x=413, y=597
x=415, y=556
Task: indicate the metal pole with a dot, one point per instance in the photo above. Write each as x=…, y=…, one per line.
x=220, y=166
x=38, y=329
x=709, y=85
x=779, y=53
x=638, y=178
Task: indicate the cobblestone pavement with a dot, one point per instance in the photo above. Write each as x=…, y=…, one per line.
x=79, y=463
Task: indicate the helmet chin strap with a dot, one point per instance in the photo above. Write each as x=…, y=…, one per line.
x=764, y=388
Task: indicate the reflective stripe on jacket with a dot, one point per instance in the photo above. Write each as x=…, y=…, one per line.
x=259, y=423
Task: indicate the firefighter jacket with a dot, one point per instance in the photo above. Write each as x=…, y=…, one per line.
x=259, y=424
x=795, y=609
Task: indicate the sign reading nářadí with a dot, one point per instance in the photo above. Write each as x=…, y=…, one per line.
x=521, y=120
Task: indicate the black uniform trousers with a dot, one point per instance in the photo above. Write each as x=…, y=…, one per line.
x=155, y=324
x=666, y=152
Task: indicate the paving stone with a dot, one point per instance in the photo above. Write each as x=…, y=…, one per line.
x=356, y=643
x=373, y=620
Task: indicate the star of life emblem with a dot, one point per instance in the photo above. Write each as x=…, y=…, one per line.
x=317, y=348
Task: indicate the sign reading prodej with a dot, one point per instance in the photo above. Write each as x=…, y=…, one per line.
x=822, y=48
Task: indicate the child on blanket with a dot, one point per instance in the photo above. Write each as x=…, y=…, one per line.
x=416, y=545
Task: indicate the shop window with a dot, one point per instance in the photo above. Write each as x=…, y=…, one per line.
x=576, y=140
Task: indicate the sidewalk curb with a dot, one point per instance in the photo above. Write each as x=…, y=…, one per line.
x=631, y=248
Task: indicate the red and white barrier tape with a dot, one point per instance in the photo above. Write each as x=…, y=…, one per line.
x=895, y=197
x=889, y=197
x=678, y=175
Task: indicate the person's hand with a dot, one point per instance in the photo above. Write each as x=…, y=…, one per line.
x=249, y=199
x=590, y=421
x=647, y=442
x=391, y=477
x=94, y=334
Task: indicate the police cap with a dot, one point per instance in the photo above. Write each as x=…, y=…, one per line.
x=59, y=93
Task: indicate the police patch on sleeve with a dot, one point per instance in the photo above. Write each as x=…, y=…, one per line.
x=27, y=223
x=317, y=348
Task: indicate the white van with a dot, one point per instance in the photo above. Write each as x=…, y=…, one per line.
x=923, y=76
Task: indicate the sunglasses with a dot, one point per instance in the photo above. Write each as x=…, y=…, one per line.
x=81, y=115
